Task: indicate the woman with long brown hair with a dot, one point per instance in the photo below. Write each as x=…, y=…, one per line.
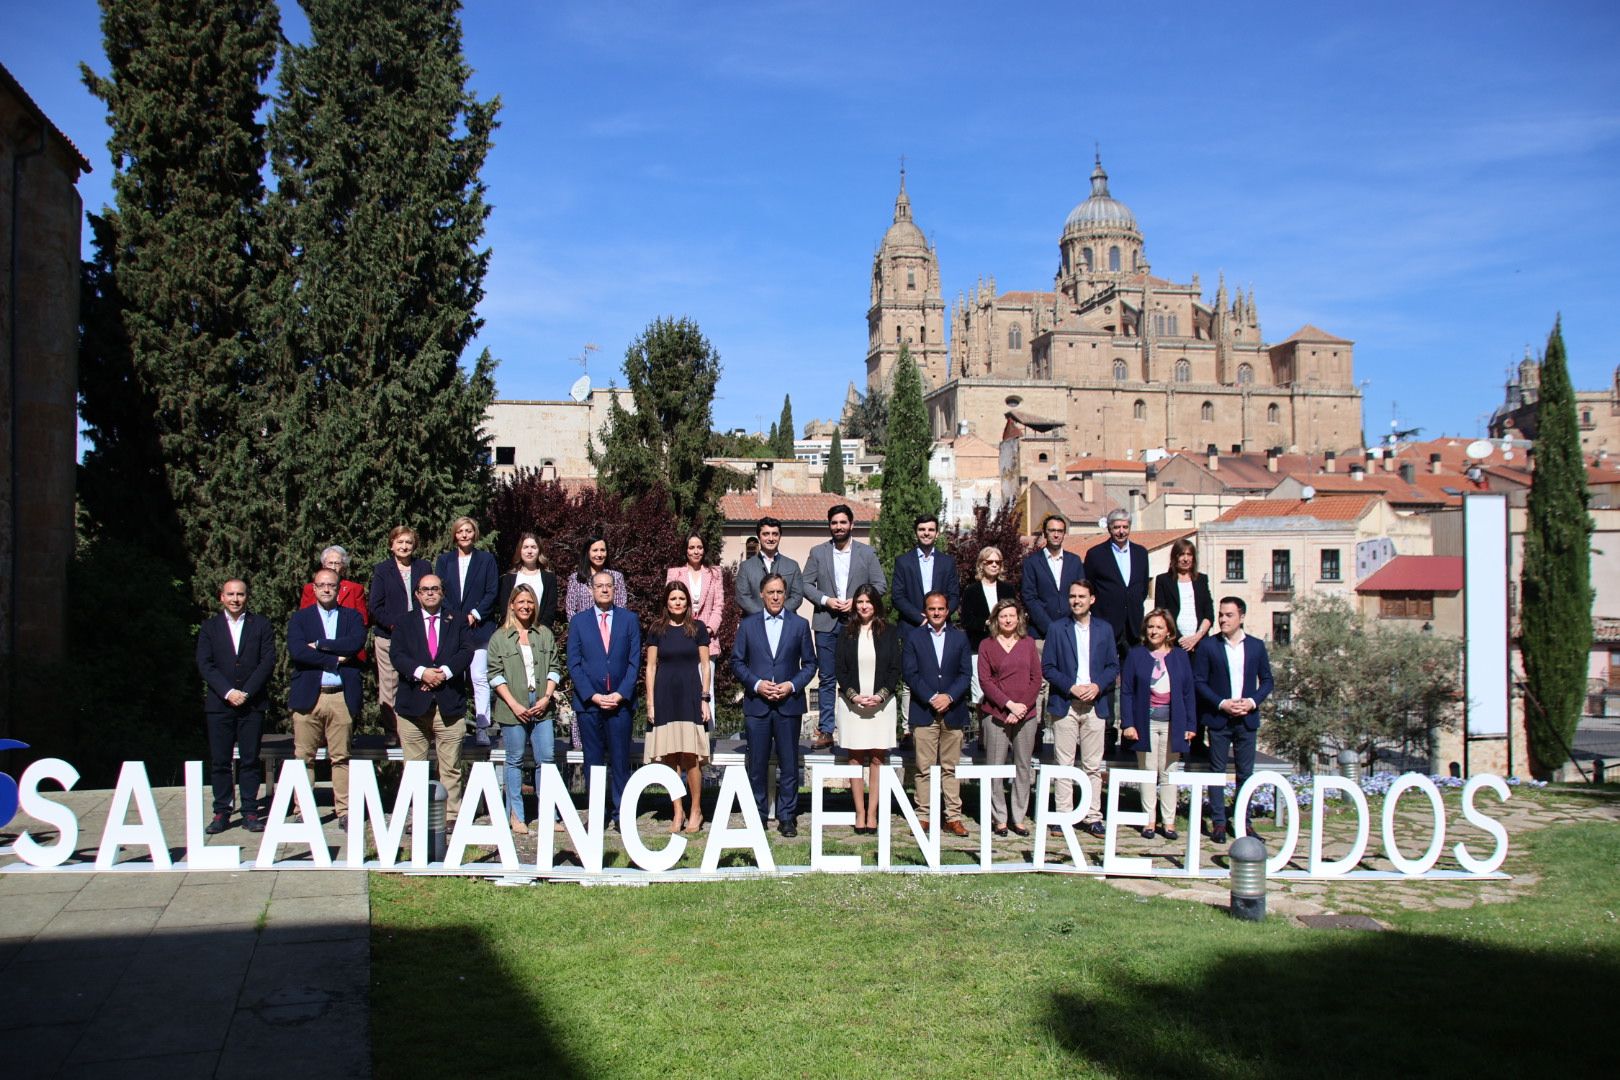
x=677, y=675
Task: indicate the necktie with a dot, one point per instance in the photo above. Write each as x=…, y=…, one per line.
x=433, y=637
x=607, y=681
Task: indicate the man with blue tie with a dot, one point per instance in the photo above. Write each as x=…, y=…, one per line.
x=323, y=641
x=1080, y=665
x=774, y=660
x=935, y=665
x=604, y=660
x=432, y=650
x=1232, y=676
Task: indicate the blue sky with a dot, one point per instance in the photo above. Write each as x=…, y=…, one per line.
x=1433, y=181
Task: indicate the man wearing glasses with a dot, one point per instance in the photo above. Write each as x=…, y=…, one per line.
x=431, y=654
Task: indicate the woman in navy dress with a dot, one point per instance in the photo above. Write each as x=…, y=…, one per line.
x=678, y=700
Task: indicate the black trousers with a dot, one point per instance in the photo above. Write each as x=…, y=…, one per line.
x=240, y=732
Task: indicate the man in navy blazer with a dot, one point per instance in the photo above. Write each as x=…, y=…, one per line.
x=1232, y=676
x=1080, y=664
x=236, y=653
x=1118, y=570
x=604, y=660
x=323, y=643
x=935, y=664
x=923, y=570
x=1048, y=573
x=431, y=652
x=774, y=660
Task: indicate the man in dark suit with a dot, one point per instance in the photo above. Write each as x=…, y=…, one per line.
x=1232, y=676
x=604, y=659
x=1048, y=573
x=774, y=660
x=832, y=573
x=1080, y=664
x=934, y=664
x=431, y=652
x=236, y=652
x=762, y=564
x=323, y=643
x=923, y=570
x=1118, y=572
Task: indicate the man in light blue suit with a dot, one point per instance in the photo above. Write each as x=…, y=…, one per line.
x=774, y=660
x=1231, y=676
x=832, y=573
x=1080, y=665
x=604, y=660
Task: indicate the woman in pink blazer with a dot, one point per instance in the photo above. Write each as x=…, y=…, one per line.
x=707, y=589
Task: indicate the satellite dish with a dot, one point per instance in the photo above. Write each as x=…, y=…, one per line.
x=1102, y=523
x=1479, y=449
x=581, y=388
x=1307, y=493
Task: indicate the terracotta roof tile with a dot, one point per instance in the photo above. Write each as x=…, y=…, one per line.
x=1323, y=508
x=1417, y=573
x=792, y=509
x=1086, y=464
x=1315, y=333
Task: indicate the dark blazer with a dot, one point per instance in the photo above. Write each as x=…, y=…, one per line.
x=1120, y=605
x=1213, y=680
x=304, y=686
x=1135, y=684
x=388, y=599
x=479, y=594
x=908, y=587
x=1166, y=595
x=410, y=651
x=1061, y=665
x=547, y=614
x=927, y=676
x=1046, y=602
x=847, y=663
x=595, y=670
x=976, y=616
x=794, y=662
x=224, y=669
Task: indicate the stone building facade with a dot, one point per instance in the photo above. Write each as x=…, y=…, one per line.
x=1596, y=411
x=1126, y=361
x=40, y=215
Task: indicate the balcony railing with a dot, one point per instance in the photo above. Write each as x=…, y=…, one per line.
x=1278, y=583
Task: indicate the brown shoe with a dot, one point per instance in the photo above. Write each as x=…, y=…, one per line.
x=956, y=828
x=923, y=822
x=822, y=741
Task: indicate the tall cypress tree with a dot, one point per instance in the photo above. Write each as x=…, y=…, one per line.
x=672, y=372
x=784, y=430
x=832, y=480
x=1555, y=610
x=907, y=489
x=168, y=358
x=376, y=271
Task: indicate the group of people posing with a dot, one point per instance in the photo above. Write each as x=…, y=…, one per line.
x=1071, y=636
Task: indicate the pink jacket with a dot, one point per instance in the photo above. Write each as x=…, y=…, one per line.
x=711, y=605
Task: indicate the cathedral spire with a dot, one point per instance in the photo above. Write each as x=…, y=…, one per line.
x=902, y=201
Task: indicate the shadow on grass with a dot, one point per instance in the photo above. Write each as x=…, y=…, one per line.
x=1348, y=1004
x=441, y=980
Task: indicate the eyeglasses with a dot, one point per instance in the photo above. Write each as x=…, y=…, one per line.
x=429, y=588
x=992, y=562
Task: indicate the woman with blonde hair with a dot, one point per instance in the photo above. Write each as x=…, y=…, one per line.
x=470, y=577
x=523, y=675
x=1157, y=714
x=1010, y=674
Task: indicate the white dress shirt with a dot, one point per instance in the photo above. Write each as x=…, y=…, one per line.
x=1234, y=664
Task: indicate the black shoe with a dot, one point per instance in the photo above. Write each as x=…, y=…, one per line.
x=999, y=830
x=1149, y=834
x=220, y=823
x=788, y=830
x=1218, y=834
x=253, y=823
x=342, y=822
x=1097, y=828
x=1170, y=834
x=1018, y=830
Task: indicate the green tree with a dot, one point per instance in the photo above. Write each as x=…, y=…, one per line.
x=1555, y=612
x=832, y=480
x=672, y=372
x=376, y=270
x=869, y=420
x=168, y=357
x=774, y=441
x=784, y=430
x=907, y=489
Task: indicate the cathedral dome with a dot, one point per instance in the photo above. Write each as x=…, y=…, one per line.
x=1100, y=210
x=904, y=232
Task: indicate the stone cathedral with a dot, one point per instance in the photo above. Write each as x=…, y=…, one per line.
x=1115, y=359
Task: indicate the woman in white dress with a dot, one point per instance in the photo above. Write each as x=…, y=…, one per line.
x=868, y=668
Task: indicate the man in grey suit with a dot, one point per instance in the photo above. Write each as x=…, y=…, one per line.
x=769, y=560
x=832, y=573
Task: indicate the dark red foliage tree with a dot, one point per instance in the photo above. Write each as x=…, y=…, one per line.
x=997, y=529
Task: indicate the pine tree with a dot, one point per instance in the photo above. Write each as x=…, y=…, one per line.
x=672, y=372
x=832, y=480
x=168, y=360
x=774, y=441
x=376, y=271
x=907, y=490
x=784, y=430
x=1555, y=609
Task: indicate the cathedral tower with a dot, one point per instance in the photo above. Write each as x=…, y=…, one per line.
x=906, y=306
x=1100, y=243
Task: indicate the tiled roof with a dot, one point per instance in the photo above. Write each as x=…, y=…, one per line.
x=1066, y=500
x=1323, y=508
x=1315, y=333
x=1029, y=419
x=792, y=509
x=10, y=81
x=1088, y=464
x=1417, y=573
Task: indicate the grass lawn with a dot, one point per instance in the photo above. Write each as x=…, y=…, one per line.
x=1019, y=975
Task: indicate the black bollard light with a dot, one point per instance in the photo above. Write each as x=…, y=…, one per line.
x=438, y=843
x=1248, y=854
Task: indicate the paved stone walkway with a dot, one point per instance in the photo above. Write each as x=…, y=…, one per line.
x=181, y=974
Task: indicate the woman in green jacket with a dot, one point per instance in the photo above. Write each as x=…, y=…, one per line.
x=523, y=676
